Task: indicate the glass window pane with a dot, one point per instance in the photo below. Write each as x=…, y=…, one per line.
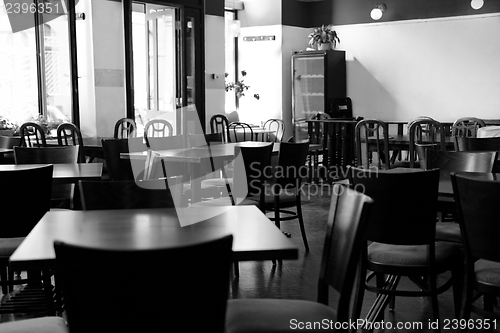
x=18, y=79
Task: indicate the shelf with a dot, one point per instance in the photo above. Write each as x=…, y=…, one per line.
x=311, y=76
x=313, y=94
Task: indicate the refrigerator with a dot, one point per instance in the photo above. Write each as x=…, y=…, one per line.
x=318, y=85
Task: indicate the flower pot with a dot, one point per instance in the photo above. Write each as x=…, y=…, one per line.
x=324, y=46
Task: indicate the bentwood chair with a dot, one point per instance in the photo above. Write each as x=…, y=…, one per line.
x=62, y=194
x=119, y=168
x=158, y=128
x=284, y=191
x=17, y=184
x=32, y=135
x=466, y=127
x=455, y=161
x=50, y=324
x=276, y=125
x=346, y=226
x=318, y=146
x=125, y=128
x=220, y=124
x=372, y=144
x=477, y=206
x=68, y=134
x=170, y=303
x=401, y=235
x=425, y=131
x=241, y=131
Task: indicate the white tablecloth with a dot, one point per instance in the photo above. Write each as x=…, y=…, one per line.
x=488, y=132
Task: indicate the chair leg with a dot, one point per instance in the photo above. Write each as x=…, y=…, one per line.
x=301, y=223
x=236, y=269
x=434, y=298
x=4, y=279
x=359, y=292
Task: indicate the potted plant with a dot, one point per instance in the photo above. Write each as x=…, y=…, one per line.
x=324, y=37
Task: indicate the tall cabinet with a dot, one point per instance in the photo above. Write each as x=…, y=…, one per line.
x=318, y=79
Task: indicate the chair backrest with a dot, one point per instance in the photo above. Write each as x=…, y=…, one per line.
x=32, y=135
x=250, y=171
x=97, y=195
x=52, y=155
x=466, y=126
x=220, y=124
x=127, y=305
x=405, y=206
x=341, y=108
x=317, y=128
x=425, y=131
x=68, y=134
x=460, y=161
x=291, y=168
x=372, y=136
x=158, y=128
x=241, y=131
x=118, y=168
x=346, y=226
x=276, y=125
x=477, y=144
x=125, y=128
x=16, y=184
x=477, y=211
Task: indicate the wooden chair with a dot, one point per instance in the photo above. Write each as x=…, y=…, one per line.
x=9, y=142
x=241, y=131
x=126, y=305
x=32, y=135
x=220, y=124
x=425, y=131
x=158, y=128
x=317, y=147
x=477, y=144
x=477, y=207
x=62, y=194
x=466, y=127
x=401, y=235
x=48, y=324
x=284, y=192
x=17, y=184
x=372, y=136
x=119, y=168
x=346, y=226
x=68, y=134
x=452, y=161
x=127, y=194
x=276, y=125
x=125, y=128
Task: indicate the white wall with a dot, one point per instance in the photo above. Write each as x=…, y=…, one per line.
x=214, y=64
x=443, y=68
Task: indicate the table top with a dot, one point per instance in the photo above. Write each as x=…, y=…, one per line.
x=64, y=173
x=255, y=237
x=198, y=154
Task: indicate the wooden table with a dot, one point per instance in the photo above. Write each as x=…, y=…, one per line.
x=64, y=173
x=196, y=157
x=255, y=236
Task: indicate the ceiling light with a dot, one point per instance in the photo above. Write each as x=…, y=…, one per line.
x=377, y=11
x=476, y=4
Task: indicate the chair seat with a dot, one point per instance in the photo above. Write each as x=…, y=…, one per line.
x=411, y=255
x=9, y=245
x=276, y=315
x=50, y=324
x=487, y=272
x=449, y=232
x=225, y=201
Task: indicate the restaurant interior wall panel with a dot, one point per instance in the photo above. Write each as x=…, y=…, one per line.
x=214, y=66
x=109, y=65
x=445, y=68
x=260, y=13
x=295, y=13
x=262, y=60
